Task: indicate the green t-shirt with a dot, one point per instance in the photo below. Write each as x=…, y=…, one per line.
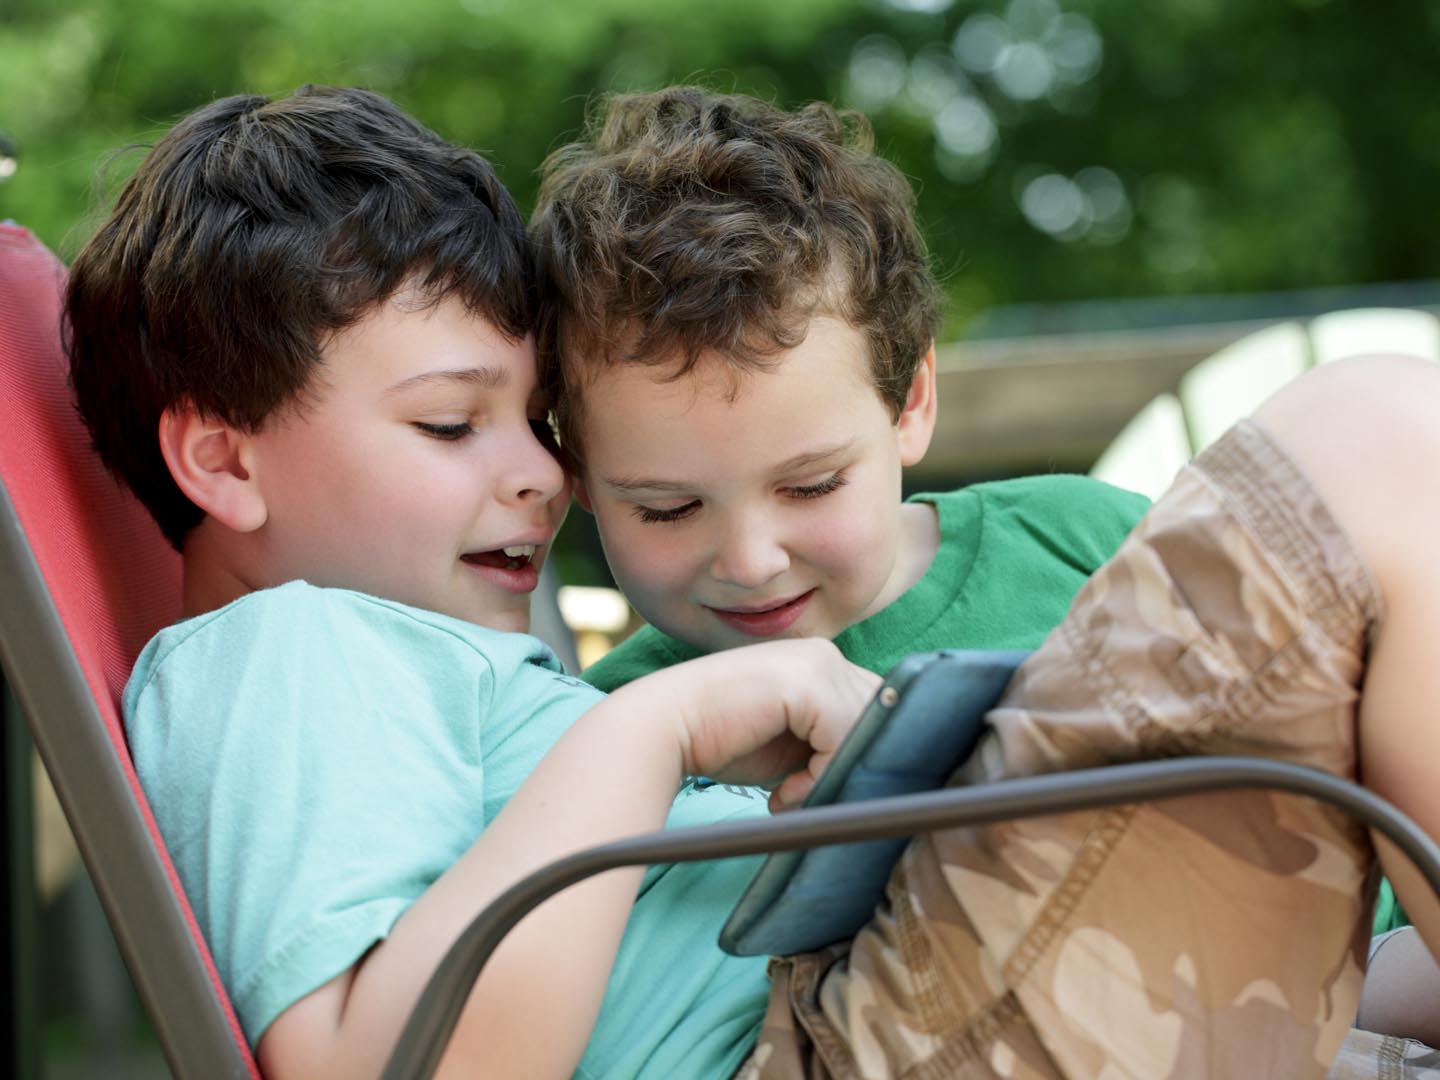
x=1012, y=555
x=316, y=758
x=1389, y=915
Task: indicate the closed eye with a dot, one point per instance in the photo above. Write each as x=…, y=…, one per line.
x=445, y=432
x=813, y=491
x=653, y=516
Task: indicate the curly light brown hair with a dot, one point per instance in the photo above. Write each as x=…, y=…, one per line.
x=690, y=223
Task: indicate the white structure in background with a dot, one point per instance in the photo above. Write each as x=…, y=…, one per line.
x=597, y=616
x=1218, y=391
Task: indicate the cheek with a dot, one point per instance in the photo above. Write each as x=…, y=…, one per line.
x=418, y=509
x=840, y=548
x=644, y=558
x=406, y=497
x=848, y=543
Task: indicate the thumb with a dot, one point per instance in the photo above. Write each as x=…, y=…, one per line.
x=795, y=788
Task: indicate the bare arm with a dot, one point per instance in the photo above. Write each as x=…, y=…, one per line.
x=753, y=714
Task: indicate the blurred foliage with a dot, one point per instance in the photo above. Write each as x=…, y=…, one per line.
x=1062, y=148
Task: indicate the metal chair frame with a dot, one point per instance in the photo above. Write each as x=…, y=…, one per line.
x=422, y=1041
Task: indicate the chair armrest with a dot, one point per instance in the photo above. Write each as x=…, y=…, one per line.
x=423, y=1039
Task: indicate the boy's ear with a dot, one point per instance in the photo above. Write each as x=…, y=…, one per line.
x=917, y=419
x=211, y=463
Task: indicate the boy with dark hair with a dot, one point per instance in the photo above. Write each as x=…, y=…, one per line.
x=252, y=232
x=739, y=323
x=345, y=774
x=302, y=336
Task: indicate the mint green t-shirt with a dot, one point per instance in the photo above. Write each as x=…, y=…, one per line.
x=1012, y=555
x=316, y=758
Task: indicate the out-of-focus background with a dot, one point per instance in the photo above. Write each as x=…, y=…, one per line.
x=1111, y=190
x=1083, y=166
x=1063, y=150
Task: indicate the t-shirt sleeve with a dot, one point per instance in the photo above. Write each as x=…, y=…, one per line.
x=313, y=761
x=1082, y=521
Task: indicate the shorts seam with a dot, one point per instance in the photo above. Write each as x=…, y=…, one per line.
x=1104, y=837
x=972, y=1043
x=804, y=981
x=918, y=954
x=1109, y=687
x=1390, y=1059
x=1228, y=466
x=1225, y=470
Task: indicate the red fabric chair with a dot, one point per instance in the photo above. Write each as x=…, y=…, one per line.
x=87, y=579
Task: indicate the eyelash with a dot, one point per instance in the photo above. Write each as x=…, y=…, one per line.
x=454, y=432
x=833, y=482
x=445, y=432
x=651, y=516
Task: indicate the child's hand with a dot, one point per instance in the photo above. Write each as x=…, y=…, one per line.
x=771, y=714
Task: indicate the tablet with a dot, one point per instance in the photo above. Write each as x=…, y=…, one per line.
x=918, y=729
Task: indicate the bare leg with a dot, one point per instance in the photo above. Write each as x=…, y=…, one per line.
x=1367, y=432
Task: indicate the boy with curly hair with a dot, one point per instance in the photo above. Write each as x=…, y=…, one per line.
x=739, y=323
x=738, y=326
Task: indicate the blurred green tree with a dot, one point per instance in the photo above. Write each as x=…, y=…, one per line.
x=1062, y=148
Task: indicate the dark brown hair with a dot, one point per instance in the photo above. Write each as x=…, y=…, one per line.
x=251, y=231
x=689, y=221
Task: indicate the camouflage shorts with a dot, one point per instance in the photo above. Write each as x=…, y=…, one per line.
x=1208, y=936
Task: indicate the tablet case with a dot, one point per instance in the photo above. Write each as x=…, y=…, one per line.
x=918, y=729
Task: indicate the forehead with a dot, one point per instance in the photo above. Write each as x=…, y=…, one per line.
x=830, y=367
x=409, y=340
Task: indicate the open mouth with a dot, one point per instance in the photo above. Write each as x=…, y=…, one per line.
x=516, y=557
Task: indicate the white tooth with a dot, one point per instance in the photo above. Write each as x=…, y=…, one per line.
x=519, y=551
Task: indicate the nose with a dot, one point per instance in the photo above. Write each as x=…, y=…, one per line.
x=750, y=553
x=535, y=473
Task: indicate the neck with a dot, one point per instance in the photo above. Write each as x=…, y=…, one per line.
x=213, y=576
x=919, y=541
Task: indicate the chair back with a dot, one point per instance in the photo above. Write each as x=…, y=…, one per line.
x=86, y=579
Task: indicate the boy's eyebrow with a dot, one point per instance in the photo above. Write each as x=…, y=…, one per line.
x=799, y=461
x=487, y=378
